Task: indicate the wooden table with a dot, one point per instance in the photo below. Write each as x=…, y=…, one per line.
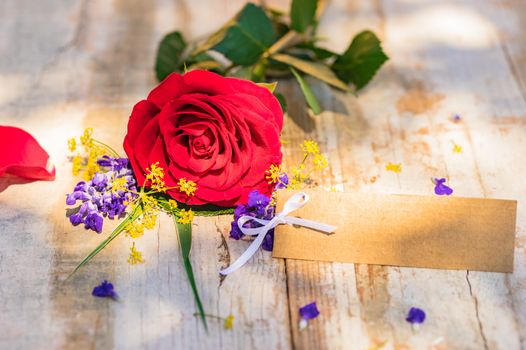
x=67, y=65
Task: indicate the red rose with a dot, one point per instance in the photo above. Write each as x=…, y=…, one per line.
x=222, y=133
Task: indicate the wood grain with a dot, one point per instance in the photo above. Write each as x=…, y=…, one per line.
x=68, y=65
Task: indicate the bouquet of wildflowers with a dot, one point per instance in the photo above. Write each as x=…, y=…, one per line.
x=199, y=164
x=208, y=141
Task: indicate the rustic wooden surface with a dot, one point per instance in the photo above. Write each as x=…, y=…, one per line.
x=67, y=65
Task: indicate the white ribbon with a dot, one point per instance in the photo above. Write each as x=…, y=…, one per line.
x=295, y=202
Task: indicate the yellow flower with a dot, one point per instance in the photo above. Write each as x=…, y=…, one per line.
x=187, y=186
x=77, y=165
x=155, y=174
x=229, y=322
x=394, y=167
x=135, y=256
x=185, y=217
x=319, y=161
x=457, y=148
x=149, y=220
x=172, y=203
x=273, y=174
x=134, y=229
x=310, y=147
x=72, y=144
x=86, y=139
x=118, y=184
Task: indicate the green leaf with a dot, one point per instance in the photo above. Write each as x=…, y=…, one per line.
x=169, y=55
x=118, y=230
x=199, y=210
x=318, y=52
x=270, y=86
x=307, y=92
x=184, y=233
x=208, y=65
x=361, y=60
x=244, y=38
x=316, y=69
x=302, y=14
x=282, y=101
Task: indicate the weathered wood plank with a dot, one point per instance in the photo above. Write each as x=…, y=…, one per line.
x=64, y=67
x=434, y=73
x=117, y=42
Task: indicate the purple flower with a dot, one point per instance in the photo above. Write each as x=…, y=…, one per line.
x=283, y=181
x=258, y=206
x=268, y=241
x=456, y=118
x=97, y=198
x=235, y=232
x=104, y=290
x=440, y=188
x=309, y=311
x=115, y=164
x=93, y=222
x=76, y=219
x=415, y=316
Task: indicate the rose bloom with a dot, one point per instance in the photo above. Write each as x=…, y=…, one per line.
x=222, y=133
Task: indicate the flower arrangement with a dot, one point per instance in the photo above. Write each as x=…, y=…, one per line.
x=207, y=141
x=190, y=148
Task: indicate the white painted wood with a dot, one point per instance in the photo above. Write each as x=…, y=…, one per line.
x=66, y=66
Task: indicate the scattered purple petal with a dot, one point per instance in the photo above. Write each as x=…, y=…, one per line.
x=415, y=316
x=309, y=311
x=104, y=290
x=441, y=188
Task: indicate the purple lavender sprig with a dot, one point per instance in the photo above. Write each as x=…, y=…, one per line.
x=100, y=198
x=258, y=206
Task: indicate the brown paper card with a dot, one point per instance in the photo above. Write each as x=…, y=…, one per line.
x=403, y=230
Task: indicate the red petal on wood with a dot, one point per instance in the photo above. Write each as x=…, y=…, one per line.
x=22, y=159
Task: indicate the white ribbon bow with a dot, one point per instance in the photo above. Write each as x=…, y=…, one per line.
x=295, y=202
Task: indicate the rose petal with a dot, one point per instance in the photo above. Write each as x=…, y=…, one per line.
x=22, y=159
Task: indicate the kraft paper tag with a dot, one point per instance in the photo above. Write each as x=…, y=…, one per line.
x=402, y=230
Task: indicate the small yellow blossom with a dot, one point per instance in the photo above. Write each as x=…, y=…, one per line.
x=273, y=174
x=155, y=174
x=149, y=220
x=86, y=139
x=72, y=144
x=92, y=167
x=135, y=256
x=457, y=148
x=187, y=186
x=172, y=203
x=119, y=184
x=150, y=207
x=229, y=322
x=298, y=176
x=394, y=167
x=378, y=346
x=134, y=229
x=310, y=147
x=185, y=217
x=77, y=165
x=319, y=161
